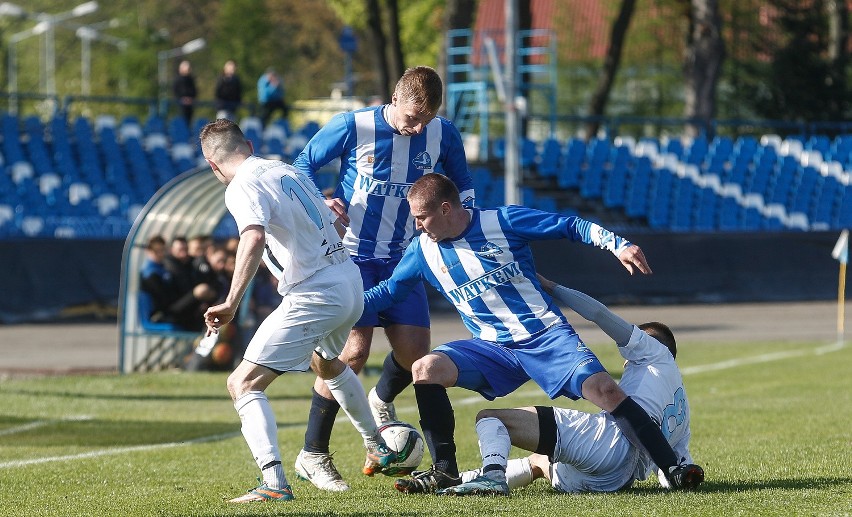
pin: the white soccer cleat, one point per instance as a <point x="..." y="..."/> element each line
<point x="383" y="412"/>
<point x="318" y="468"/>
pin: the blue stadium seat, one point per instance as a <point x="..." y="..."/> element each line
<point x="705" y="216"/>
<point x="614" y="186"/>
<point x="178" y="131"/>
<point x="551" y="158"/>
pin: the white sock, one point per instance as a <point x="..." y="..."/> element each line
<point x="349" y="393"/>
<point x="494" y="445"/>
<point x="273" y="476"/>
<point x="519" y="473"/>
<point x="260" y="432"/>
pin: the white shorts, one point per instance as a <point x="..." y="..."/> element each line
<point x="316" y="315"/>
<point x="591" y="453"/>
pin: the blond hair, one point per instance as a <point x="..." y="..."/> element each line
<point x="422" y="87"/>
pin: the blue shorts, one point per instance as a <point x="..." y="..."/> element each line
<point x="555" y="359"/>
<point x="414" y="310"/>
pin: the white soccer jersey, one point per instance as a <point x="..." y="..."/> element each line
<point x="300" y="234"/>
<point x="653" y="380"/>
<point x="378" y="167"/>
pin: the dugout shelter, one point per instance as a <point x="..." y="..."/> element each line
<point x="190" y="204"/>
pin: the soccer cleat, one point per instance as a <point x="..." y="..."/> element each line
<point x="264" y="493"/>
<point x="377" y="459"/>
<point x="318" y="468"/>
<point x="482" y="485"/>
<point x="383" y="412"/>
<point x="685" y="477"/>
<point x="426" y="482"/>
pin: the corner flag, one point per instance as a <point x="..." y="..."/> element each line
<point x="841" y="249"/>
<point x="841" y="253"/>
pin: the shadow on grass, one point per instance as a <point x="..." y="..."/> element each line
<point x="747" y="485"/>
<point x="119" y="433"/>
<point x="142" y="397"/>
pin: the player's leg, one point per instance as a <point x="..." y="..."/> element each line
<point x="347" y="390"/>
<point x="408" y="344"/>
<point x="314" y="461"/>
<point x="640" y="429"/>
<point x="474" y="364"/>
<point x="247" y="385"/>
<point x="407" y="329"/>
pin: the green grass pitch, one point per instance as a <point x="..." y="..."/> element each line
<point x="771" y="426"/>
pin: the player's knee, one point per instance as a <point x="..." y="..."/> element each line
<point x="434" y="369"/>
<point x="236" y="385"/>
<point x="486" y="413"/>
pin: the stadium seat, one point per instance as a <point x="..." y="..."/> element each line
<point x="551" y="158"/>
<point x="32" y="226"/>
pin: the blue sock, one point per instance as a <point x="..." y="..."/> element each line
<point x="394" y="379"/>
<point x="320" y="423"/>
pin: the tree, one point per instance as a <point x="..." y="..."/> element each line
<point x="610" y="67"/>
<point x="702" y="66"/>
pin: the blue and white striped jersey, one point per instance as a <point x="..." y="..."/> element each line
<point x="377" y="167"/>
<point x="488" y="273"/>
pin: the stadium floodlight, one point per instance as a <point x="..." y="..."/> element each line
<point x="87" y="34"/>
<point x="193" y="46"/>
<point x="13" y="10"/>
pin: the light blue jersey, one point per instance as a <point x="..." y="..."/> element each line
<point x="378" y="166"/>
<point x="488" y="273"/>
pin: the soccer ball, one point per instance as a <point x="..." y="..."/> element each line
<point x="407" y="443"/>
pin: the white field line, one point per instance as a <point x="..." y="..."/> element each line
<point x="41" y="423"/>
<point x="733" y="363"/>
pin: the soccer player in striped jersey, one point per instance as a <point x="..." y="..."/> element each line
<point x="480" y="260"/>
<point x="581" y="452"/>
<point x="382" y="151"/>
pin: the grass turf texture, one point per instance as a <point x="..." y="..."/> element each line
<point x="772" y="434"/>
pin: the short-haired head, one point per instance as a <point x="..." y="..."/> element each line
<point x="433" y="189"/>
<point x="221" y="139"/>
<point x="156" y="242"/>
<point x="662" y="333"/>
<point x="420" y="86"/>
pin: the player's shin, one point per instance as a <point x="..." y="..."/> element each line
<point x="349" y="393"/>
<point x="261" y="434"/>
<point x="438" y="424"/>
<point x="494" y="445"/>
<point x="637" y="426"/>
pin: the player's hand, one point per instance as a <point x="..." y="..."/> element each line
<point x="217" y="316"/>
<point x="336" y="205"/>
<point x="633" y="257"/>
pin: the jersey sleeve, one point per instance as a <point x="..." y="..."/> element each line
<point x="328" y="143"/>
<point x="642" y="348"/>
<point x="246" y="205"/>
<point x="456" y="167"/>
<point x="532" y="224"/>
<point x="406" y="275"/>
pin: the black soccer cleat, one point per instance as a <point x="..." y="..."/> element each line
<point x="685" y="477"/>
<point x="426" y="482"/>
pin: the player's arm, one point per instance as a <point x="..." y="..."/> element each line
<point x="249" y="255"/>
<point x="589" y="308"/>
<point x="456" y="167"/>
<point x="328" y="143"/>
<point x="406" y="275"/>
<point x="538" y="225"/>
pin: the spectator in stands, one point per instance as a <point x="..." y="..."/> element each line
<point x="229" y="92"/>
<point x="270" y="96"/>
<point x="192" y="296"/>
<point x="156" y="280"/>
<point x="185" y="91"/>
<point x="199" y="249"/>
